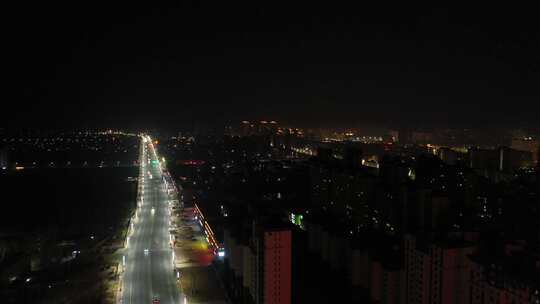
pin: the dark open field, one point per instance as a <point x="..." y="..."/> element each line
<point x="65" y="201"/>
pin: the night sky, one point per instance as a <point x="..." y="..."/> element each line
<point x="122" y="65"/>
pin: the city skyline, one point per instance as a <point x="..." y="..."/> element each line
<point x="270" y="153"/>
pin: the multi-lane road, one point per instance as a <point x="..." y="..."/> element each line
<point x="149" y="262"/>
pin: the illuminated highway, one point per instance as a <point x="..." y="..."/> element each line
<point x="148" y="271"/>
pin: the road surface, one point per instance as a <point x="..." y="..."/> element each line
<point x="151" y="274"/>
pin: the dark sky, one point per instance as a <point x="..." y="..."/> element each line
<point x="123" y="65"/>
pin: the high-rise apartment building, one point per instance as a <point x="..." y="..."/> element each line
<point x="437" y="272"/>
<point x="261" y="267"/>
<point x="510" y="278"/>
<point x="277" y="266"/>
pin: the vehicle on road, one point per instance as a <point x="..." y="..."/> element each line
<point x="146" y="251"/>
<point x="155" y="300"/>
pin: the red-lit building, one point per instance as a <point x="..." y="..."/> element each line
<point x="271" y="256"/>
<point x="509" y="278"/>
<point x="438" y="272"/>
<point x="277" y="266"/>
<point x="260" y="264"/>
